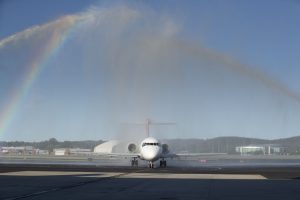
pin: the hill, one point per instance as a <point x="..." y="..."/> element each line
<point x="214" y="145"/>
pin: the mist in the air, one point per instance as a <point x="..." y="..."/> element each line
<point x="113" y="68"/>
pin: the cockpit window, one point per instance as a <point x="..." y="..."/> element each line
<point x="150" y="144"/>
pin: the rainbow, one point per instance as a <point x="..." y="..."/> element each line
<point x="60" y="30"/>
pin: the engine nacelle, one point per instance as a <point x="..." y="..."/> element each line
<point x="165" y="149"/>
<point x="132" y="148"/>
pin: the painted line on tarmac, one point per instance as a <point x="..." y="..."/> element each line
<point x="194" y="176"/>
<point x="101" y="178"/>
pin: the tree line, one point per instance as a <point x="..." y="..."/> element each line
<point x="53" y="143"/>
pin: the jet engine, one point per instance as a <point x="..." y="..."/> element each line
<point x="132" y="148"/>
<point x="165" y="149"/>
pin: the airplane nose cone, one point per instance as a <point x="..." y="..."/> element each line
<point x="150" y="154"/>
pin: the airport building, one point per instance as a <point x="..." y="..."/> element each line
<point x="265" y="149"/>
<point x="116" y="146"/>
<point x="107" y="147"/>
<point x="60" y="152"/>
<point x="71" y="151"/>
<point x="22" y="150"/>
<point x="42" y="152"/>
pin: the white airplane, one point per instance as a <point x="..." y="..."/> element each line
<point x="151" y="150"/>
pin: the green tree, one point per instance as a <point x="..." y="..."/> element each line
<point x="52" y="143"/>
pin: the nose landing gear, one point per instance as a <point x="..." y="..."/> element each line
<point x="151" y="164"/>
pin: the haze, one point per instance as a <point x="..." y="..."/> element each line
<point x="215" y="68"/>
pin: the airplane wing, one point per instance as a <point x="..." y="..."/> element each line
<point x="191" y="155"/>
<point x="118" y="155"/>
<point x="169" y="155"/>
<point x="200" y="154"/>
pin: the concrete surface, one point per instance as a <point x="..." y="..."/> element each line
<point x="65" y="182"/>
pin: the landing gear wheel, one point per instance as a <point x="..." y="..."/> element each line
<point x="151" y="165"/>
<point x="163" y="163"/>
<point x="134" y="163"/>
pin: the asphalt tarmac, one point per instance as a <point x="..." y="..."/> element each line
<point x="69" y="181"/>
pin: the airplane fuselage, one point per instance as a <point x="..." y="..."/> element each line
<point x="150" y="149"/>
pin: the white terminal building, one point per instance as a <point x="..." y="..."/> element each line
<point x="23" y="150"/>
<point x="116" y="146"/>
<point x="18" y="150"/>
<point x="264" y="149"/>
<point x="107" y="147"/>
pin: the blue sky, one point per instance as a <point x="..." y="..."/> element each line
<point x="108" y="73"/>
